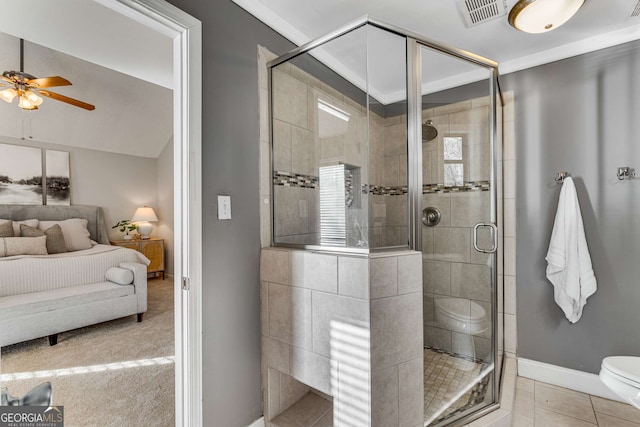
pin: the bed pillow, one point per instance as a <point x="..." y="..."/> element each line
<point x="75" y="232"/>
<point x="55" y="238"/>
<point x="121" y="276"/>
<point x="6" y="229"/>
<point x="16" y="225"/>
<point x="10" y="246"/>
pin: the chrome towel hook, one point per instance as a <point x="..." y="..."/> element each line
<point x="626" y="173"/>
<point x="560" y="176"/>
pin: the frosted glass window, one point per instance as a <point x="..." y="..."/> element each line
<point x="452" y="148"/>
<point x="453" y="174"/>
<point x="453" y="161"/>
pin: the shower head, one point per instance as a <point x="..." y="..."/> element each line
<point x="429" y="131"/>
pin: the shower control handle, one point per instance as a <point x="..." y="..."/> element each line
<point x="431" y="216"/>
<point x="494" y="233"/>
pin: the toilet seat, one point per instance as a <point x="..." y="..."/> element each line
<point x="623" y="368"/>
<point x="622" y="375"/>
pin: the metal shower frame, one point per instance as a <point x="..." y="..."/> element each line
<point x="414" y="43"/>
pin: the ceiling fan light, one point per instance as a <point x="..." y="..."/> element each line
<point x="8" y="94"/>
<point x="25" y="104"/>
<point x="540" y="16"/>
<point x="33" y="98"/>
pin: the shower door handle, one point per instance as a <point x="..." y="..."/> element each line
<point x="494" y="233"/>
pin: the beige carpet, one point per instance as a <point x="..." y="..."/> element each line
<point x="117" y="373"/>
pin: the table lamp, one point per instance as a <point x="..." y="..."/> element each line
<point x="143" y="216"/>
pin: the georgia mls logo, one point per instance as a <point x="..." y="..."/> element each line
<point x="31" y="416"/>
<point x="57" y="411"/>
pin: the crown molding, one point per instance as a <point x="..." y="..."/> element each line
<point x="570" y="50"/>
<point x="283" y="27"/>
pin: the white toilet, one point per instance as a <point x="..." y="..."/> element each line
<point x="464" y="316"/>
<point x="622" y="375"/>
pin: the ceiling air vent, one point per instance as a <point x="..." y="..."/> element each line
<point x="477" y="12"/>
<point x="636" y="10"/>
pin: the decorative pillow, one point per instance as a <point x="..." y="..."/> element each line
<point x="55" y="238"/>
<point x="16" y="225"/>
<point x="75" y="232"/>
<point x="26" y="231"/>
<point x="121" y="276"/>
<point x="6" y="229"/>
<point x="10" y="246"/>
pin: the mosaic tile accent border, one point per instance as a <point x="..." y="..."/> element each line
<point x="378" y="190"/>
<point x="348" y="187"/>
<point x="468" y="186"/>
<point x="290" y="179"/>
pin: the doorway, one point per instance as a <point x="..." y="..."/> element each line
<point x="185" y="31"/>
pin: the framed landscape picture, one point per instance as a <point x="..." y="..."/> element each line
<point x="20" y="175"/>
<point x="58" y="180"/>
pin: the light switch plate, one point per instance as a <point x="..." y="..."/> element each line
<point x="224" y="207"/>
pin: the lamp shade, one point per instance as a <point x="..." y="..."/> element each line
<point x="540" y="16"/>
<point x="144" y="214"/>
<point x="7" y="95"/>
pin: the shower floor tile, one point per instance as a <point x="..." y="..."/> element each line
<point x="451" y="384"/>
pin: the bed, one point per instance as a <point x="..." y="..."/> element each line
<point x="45" y="295"/>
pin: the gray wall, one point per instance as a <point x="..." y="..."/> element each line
<point x="579" y="115"/>
<point x="231" y="249"/>
<point x="119" y="183"/>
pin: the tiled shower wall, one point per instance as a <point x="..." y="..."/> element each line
<point x="302" y="144"/>
<point x="452" y="268"/>
<point x="388" y="216"/>
<point x="508" y="189"/>
<point x="380" y="212"/>
<point x="346" y="326"/>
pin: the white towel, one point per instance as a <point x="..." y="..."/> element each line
<point x="568" y="260"/>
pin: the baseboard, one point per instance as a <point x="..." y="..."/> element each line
<point x="257" y="423"/>
<point x="565" y="377"/>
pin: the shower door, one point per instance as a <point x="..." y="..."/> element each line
<point x="456" y="233"/>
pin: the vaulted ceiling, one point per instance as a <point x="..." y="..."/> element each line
<point x="121" y="67"/>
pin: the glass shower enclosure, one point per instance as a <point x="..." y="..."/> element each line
<point x="382" y="140"/>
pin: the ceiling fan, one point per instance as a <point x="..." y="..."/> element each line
<point x="28" y="88"/>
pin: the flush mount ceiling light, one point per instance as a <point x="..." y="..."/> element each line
<point x="540" y="16"/>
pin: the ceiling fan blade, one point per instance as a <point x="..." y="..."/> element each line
<point x="66" y="99"/>
<point x="49" y="82"/>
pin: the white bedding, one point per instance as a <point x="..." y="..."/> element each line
<point x="34" y="273"/>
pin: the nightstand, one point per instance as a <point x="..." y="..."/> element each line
<point x="152" y="248"/>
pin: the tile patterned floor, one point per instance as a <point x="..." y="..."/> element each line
<point x="446" y="377"/>
<point x="311" y="410"/>
<point x="539" y="404"/>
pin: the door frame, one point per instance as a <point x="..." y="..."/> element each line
<point x="186" y="32"/>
